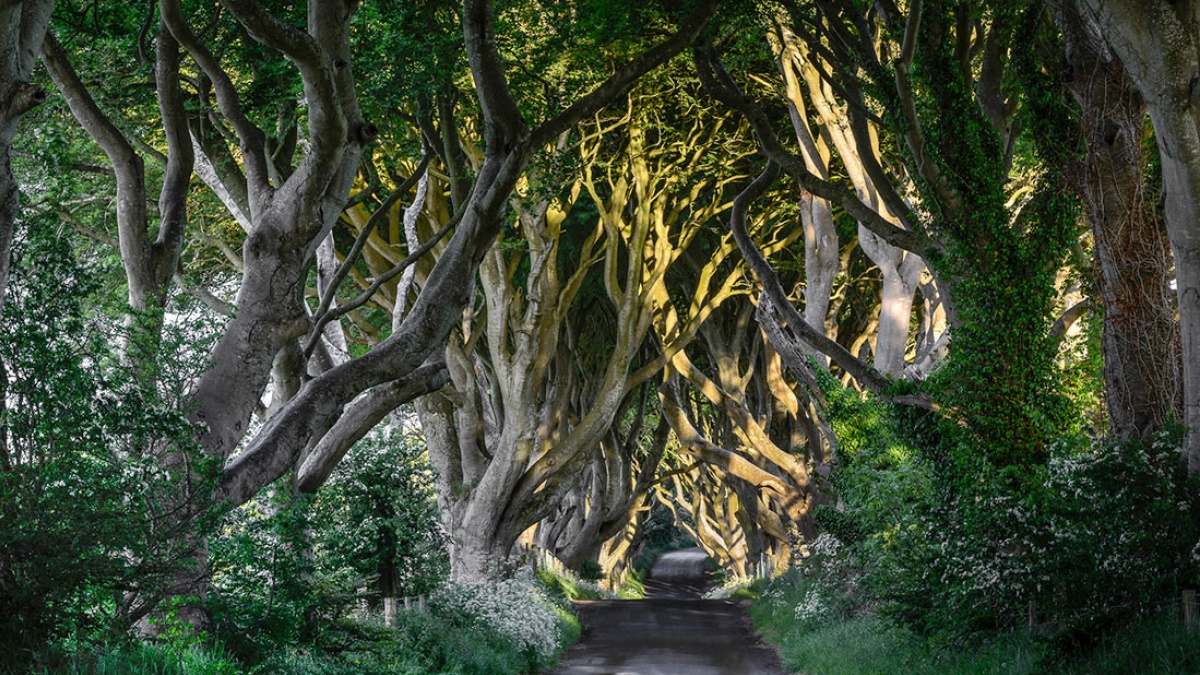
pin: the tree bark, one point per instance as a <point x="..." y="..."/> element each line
<point x="22" y="29"/>
<point x="1132" y="248"/>
<point x="1159" y="43"/>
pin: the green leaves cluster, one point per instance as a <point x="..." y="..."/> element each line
<point x="1102" y="533"/>
<point x="289" y="568"/>
<point x="378" y="517"/>
<point x="92" y="523"/>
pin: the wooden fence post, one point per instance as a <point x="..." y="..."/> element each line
<point x="421" y="603"/>
<point x="389" y="612"/>
<point x="1189" y="609"/>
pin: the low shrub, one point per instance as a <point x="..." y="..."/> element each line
<point x="508" y="628"/>
<point x="517" y="611"/>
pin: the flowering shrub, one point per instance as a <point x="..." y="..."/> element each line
<point x="1102" y="534"/>
<point x="517" y="610"/>
<point x="812" y="606"/>
<point x="951" y="548"/>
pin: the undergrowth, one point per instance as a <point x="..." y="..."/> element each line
<point x="816" y="635"/>
<point x="571" y="588"/>
<point x="509" y="628"/>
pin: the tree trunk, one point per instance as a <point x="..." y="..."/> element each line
<point x="900" y="272"/>
<point x="1132" y="250"/>
<point x="22" y="29"/>
<point x="479" y="547"/>
<point x="1159" y="44"/>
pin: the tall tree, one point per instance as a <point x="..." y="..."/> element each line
<point x="994" y="259"/>
<point x="537" y="381"/>
<point x="287" y="196"/>
<point x="151" y="263"/>
<point x="900" y="269"/>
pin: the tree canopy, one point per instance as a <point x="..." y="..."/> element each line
<point x="899" y="272"/>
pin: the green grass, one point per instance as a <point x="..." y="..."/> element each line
<point x="131" y="659"/>
<point x="633" y="586"/>
<point x="1156" y="646"/>
<point x="865" y="646"/>
<point x="420" y="645"/>
<point x="857" y="644"/>
<point x="571" y="588"/>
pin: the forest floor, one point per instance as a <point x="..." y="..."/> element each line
<point x="670" y="632"/>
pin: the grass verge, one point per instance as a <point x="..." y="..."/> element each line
<point x="819" y="640"/>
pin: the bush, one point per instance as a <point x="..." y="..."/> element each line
<point x="287" y="566"/>
<point x="289" y="569"/>
<point x="266" y="593"/>
<point x="506" y="629"/>
<point x="377" y="517"/>
<point x="516" y="610"/>
<point x="90" y="515"/>
<point x="1099" y="536"/>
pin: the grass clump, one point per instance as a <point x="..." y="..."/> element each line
<point x="571" y="588"/>
<point x="737" y="588"/>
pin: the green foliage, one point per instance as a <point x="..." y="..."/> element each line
<point x="868" y="646"/>
<point x="1105" y="534"/>
<point x="1120" y="526"/>
<point x="91" y="466"/>
<point x="1160" y="645"/>
<point x="407" y="51"/>
<point x="265" y="593"/>
<point x="570" y="587"/>
<point x="458" y="635"/>
<point x="377" y="517"/>
<point x="510" y="629"/>
<point x="287" y="566"/>
<point x="1101" y="534"/>
<point x="135" y="658"/>
<point x="561" y="49"/>
<point x="288" y="571"/>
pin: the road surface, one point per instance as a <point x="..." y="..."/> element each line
<point x="671" y="632"/>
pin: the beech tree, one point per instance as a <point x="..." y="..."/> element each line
<point x="997" y="281"/>
<point x="1131" y="250"/>
<point x="1158" y="45"/>
<point x="288" y="195"/>
<point x="718" y="511"/>
<point x="823" y="126"/>
<point x="529" y="409"/>
<point x="762" y="433"/>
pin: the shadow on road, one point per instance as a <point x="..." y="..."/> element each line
<point x="671" y="632"/>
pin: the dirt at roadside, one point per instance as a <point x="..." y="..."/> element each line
<point x="672" y="632"/>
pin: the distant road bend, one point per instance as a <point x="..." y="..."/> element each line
<point x="671" y="632"/>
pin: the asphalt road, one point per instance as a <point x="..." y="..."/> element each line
<point x="672" y="632"/>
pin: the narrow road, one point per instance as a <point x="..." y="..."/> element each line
<point x="671" y="632"/>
